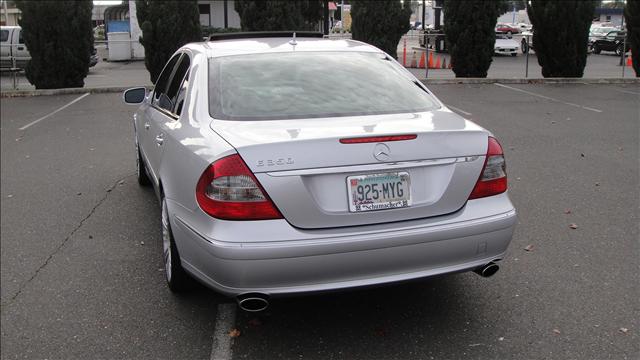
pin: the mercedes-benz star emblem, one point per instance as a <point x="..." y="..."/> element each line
<point x="381" y="152"/>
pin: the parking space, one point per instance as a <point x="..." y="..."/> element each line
<point x="81" y="252"/>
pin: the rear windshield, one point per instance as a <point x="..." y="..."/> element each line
<point x="311" y="84"/>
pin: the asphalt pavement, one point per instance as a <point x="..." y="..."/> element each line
<point x="82" y="276"/>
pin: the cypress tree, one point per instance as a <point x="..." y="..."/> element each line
<point x="59" y="37"/>
<point x="380" y="23"/>
<point x="561" y="35"/>
<point x="632" y="17"/>
<point x="166" y="26"/>
<point x="470" y="32"/>
<point x="278" y="15"/>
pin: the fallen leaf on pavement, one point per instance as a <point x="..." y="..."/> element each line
<point x="234" y="333"/>
<point x="556" y="331"/>
<point x="528" y="247"/>
<point x="567" y="211"/>
<point x="573" y="226"/>
<point x="623" y="330"/>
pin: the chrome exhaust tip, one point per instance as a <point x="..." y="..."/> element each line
<point x="253" y="302"/>
<point x="487" y="270"/>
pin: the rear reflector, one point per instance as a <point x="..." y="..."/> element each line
<point x="377" y="139"/>
<point x="228" y="190"/>
<point x="493" y="179"/>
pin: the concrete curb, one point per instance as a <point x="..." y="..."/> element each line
<point x="70" y="91"/>
<point x="116" y="89"/>
<point x="531" y="81"/>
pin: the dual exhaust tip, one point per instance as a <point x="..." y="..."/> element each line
<point x="256" y="302"/>
<point x="487" y="270"/>
<point x="253" y="302"/>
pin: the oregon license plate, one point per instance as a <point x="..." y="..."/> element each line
<point x="379" y="191"/>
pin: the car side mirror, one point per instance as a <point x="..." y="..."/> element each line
<point x="134" y="95"/>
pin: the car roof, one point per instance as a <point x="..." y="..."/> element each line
<point x="278" y="45"/>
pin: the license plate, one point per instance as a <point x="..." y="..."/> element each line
<point x="379" y="191"/>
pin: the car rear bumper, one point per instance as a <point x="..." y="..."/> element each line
<point x="330" y="259"/>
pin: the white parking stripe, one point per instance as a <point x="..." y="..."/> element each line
<point x="627" y="91"/>
<point x="225" y="321"/>
<point x="459" y="110"/>
<point x="548" y="98"/>
<point x="54" y="112"/>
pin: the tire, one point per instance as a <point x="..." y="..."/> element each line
<point x="524" y="46"/>
<point x="177" y="279"/>
<point x="509" y="33"/>
<point x="141" y="169"/>
<point x="596" y="49"/>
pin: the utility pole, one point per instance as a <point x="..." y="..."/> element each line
<point x="6" y="12"/>
<point x="325" y="15"/>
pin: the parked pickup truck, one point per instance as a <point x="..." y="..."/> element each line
<point x="12" y="48"/>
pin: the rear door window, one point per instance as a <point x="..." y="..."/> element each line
<point x="160" y="97"/>
<point x="176" y="81"/>
<point x="4" y="35"/>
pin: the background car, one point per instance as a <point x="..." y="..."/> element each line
<point x="505" y="45"/>
<point x="507" y="29"/>
<point x="613" y="41"/>
<point x="599" y="32"/>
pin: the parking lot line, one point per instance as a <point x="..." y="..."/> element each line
<point x="225" y="321"/>
<point x="54" y="112"/>
<point x="459" y="110"/>
<point x="627" y="91"/>
<point x="548" y="98"/>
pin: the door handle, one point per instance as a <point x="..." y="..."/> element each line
<point x="20" y="47"/>
<point x="146" y="126"/>
<point x="160" y="139"/>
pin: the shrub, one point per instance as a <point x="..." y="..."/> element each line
<point x="380" y="23"/>
<point x="279" y="15"/>
<point x="470" y="34"/>
<point x="166" y="26"/>
<point x="561" y="35"/>
<point x="632" y="16"/>
<point x="59" y="37"/>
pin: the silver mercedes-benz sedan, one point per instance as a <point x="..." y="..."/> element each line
<point x="292" y="164"/>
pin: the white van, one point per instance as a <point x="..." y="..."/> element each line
<point x="12" y="47"/>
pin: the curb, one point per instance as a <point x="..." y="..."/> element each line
<point x="69" y="91"/>
<point x="116" y="89"/>
<point x="531" y="81"/>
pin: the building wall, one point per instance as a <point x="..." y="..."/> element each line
<point x="11" y="17"/>
<point x="216" y="14"/>
<point x="615" y="19"/>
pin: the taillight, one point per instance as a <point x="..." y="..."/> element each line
<point x="493" y="179"/>
<point x="228" y="190"/>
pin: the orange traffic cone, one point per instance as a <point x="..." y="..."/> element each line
<point x="430" y="61"/>
<point x="438" y="65"/>
<point x="413" y="61"/>
<point x="629" y="60"/>
<point x="421" y="64"/>
<point x="444" y="63"/>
